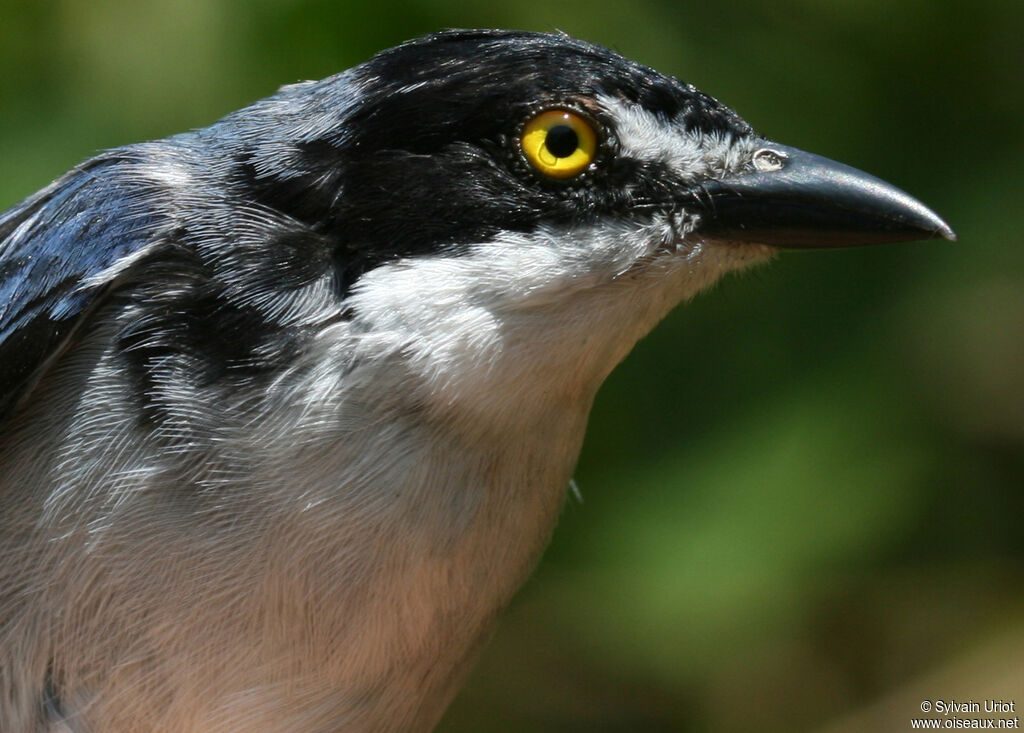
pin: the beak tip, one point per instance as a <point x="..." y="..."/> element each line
<point x="936" y="227"/>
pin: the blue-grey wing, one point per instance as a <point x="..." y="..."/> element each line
<point x="60" y="251"/>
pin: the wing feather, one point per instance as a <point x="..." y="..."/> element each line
<point x="60" y="251"/>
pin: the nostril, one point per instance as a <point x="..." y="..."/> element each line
<point x="766" y="160"/>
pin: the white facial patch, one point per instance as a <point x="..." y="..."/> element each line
<point x="692" y="154"/>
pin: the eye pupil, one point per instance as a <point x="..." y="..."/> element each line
<point x="562" y="141"/>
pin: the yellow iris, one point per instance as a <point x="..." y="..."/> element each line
<point x="559" y="143"/>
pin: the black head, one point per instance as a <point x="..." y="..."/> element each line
<point x="418" y="149"/>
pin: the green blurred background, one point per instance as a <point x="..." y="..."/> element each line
<point x="802" y="495"/>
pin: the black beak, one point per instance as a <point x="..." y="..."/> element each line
<point x="801" y="200"/>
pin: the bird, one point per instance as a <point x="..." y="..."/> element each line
<point x="291" y="403"/>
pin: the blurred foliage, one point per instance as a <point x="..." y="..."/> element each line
<point x="803" y="492"/>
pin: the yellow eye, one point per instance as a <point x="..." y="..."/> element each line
<point x="559" y="143"/>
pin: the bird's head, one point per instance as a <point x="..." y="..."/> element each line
<point x="495" y="143"/>
<point x="471" y="176"/>
<point x="482" y="188"/>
